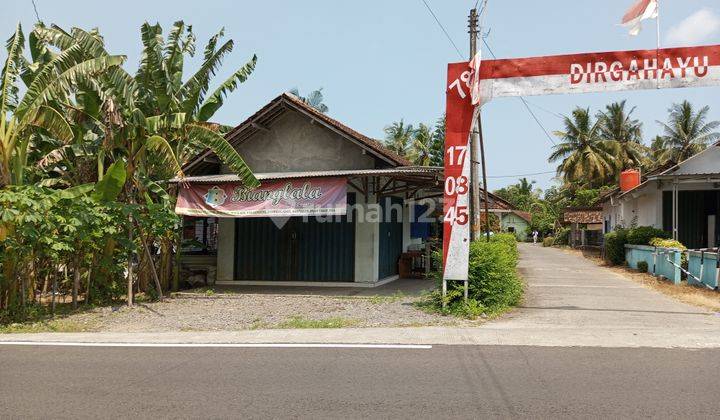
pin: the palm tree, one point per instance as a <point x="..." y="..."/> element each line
<point x="586" y="158"/>
<point x="398" y="137"/>
<point x="624" y="133"/>
<point x="656" y="149"/>
<point x="421" y="147"/>
<point x="686" y="133"/>
<point x="437" y="150"/>
<point x="525" y="186"/>
<point x="314" y="99"/>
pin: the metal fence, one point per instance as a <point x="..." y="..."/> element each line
<point x="703" y="266"/>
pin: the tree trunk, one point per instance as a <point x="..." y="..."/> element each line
<point x="148" y="254"/>
<point x="178" y="258"/>
<point x="76" y="283"/>
<point x="54" y="292"/>
<point x="89" y="273"/>
<point x="130" y="266"/>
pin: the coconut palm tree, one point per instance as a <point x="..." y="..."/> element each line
<point x="421" y="147"/>
<point x="437" y="151"/>
<point x="398" y="137"/>
<point x="624" y="133"/>
<point x="585" y="157"/>
<point x="686" y="133"/>
<point x="315" y="99"/>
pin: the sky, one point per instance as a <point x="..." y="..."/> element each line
<point x="382" y="61"/>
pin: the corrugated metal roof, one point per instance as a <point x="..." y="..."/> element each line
<point x="427" y="171"/>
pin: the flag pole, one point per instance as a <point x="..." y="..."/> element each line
<point x="658" y="25"/>
<point x="657" y="53"/>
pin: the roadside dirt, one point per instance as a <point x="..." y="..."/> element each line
<point x="259" y="311"/>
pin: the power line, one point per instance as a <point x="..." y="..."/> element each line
<point x="553" y="113"/>
<point x="37" y="15"/>
<point x="522" y="175"/>
<point x="537" y="121"/>
<point x="443" y="29"/>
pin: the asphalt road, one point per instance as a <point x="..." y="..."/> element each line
<point x="443" y="382"/>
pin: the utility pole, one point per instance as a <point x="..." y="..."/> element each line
<point x="474" y="144"/>
<point x="477" y="153"/>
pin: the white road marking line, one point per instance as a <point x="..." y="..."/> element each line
<point x="575" y="286"/>
<point x="220" y="345"/>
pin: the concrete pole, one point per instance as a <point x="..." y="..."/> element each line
<point x="474" y="144"/>
<point x="477" y="153"/>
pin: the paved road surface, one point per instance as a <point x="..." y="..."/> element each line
<point x="567" y="291"/>
<point x="443" y="382"/>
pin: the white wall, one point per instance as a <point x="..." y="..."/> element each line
<point x="367" y="244"/>
<point x="226" y="250"/>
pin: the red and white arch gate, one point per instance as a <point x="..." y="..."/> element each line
<point x="562" y="74"/>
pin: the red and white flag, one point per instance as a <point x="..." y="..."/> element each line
<point x="642" y="10"/>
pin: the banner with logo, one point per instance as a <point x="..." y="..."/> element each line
<point x="286" y="198"/>
<point x="601" y="72"/>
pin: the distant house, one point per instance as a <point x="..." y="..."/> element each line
<point x="586" y="225"/>
<point x="516" y="222"/>
<point x="683" y="199"/>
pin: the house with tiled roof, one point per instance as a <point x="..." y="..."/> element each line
<point x="516" y="222"/>
<point x="334" y="206"/>
<point x="682" y="199"/>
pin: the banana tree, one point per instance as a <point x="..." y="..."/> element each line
<point x="155" y="120"/>
<point x="21" y="119"/>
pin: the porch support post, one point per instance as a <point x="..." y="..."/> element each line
<point x="675" y="209"/>
<point x="225" y="270"/>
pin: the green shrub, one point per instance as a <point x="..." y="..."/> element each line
<point x="562" y="236"/>
<point x="548" y="241"/>
<point x="642" y="235"/>
<point x="615" y="246"/>
<point x="494" y="284"/>
<point x="667" y="243"/>
<point x="643" y="266"/>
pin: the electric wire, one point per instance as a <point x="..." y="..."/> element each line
<point x="522" y="175"/>
<point x="537" y="120"/>
<point x="37" y="15"/>
<point x="447" y="35"/>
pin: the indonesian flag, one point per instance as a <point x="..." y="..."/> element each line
<point x="642" y="10"/>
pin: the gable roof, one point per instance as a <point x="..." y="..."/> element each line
<point x="675" y="168"/>
<point x="525" y="215"/>
<point x="277" y="107"/>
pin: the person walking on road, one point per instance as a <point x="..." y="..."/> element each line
<point x="535" y="236"/>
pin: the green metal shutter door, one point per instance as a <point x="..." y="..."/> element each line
<point x="261" y="253"/>
<point x="303" y="250"/>
<point x="391" y="232"/>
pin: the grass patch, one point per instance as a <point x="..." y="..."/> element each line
<point x="299" y="322"/>
<point x="54" y="325"/>
<point x="380" y="300"/>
